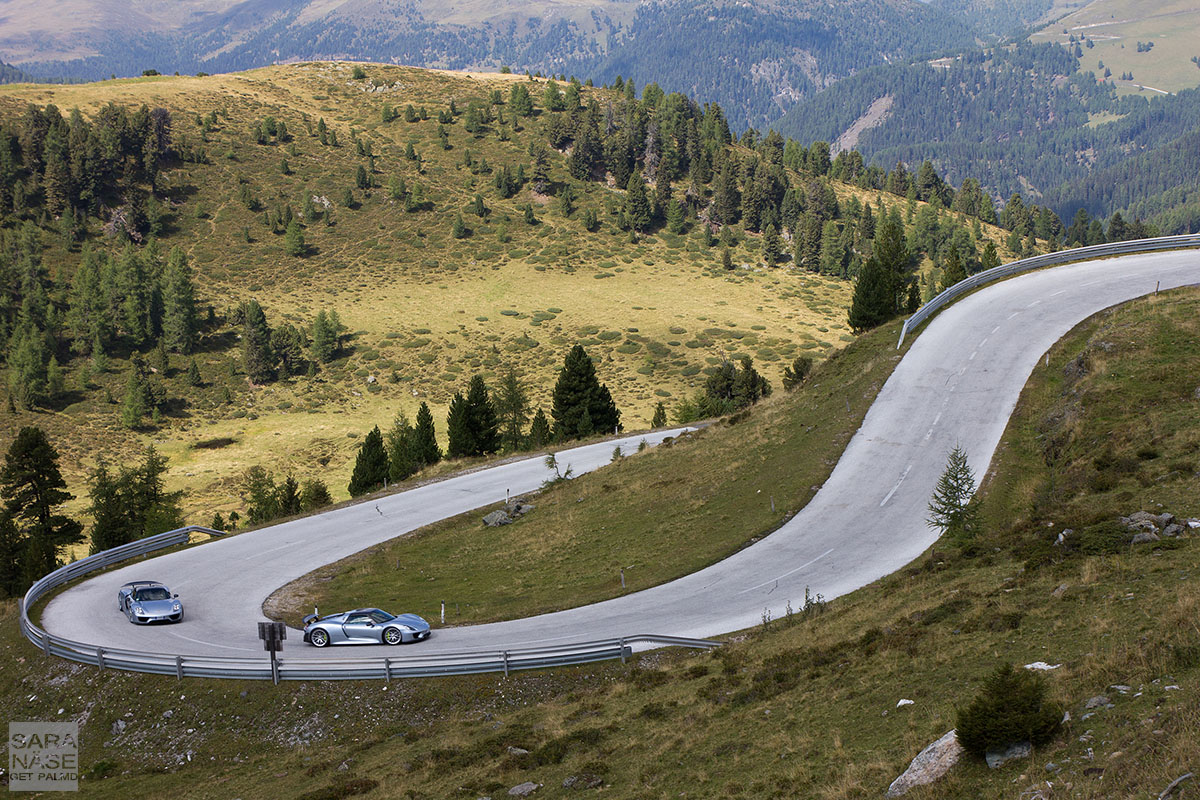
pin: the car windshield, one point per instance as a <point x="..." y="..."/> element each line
<point x="379" y="616"/>
<point x="153" y="593"/>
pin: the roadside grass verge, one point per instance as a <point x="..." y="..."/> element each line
<point x="806" y="707"/>
<point x="657" y="515"/>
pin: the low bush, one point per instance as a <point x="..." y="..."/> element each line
<point x="1011" y="708"/>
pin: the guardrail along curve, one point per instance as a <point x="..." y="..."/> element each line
<point x="1046" y="260"/>
<point x="385" y="668"/>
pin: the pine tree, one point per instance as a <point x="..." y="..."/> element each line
<point x="401" y="444"/>
<point x="726" y="259"/>
<point x="370" y="466"/>
<point x="180" y="324"/>
<point x="426" y="447"/>
<point x="577" y="392"/>
<point x="257" y="356"/>
<point x="874" y="301"/>
<point x="324" y="339"/>
<point x="539" y="431"/>
<point x="293" y="242"/>
<point x="194" y="377"/>
<point x="660" y="416"/>
<point x="637" y="204"/>
<point x="133" y="403"/>
<point x="675" y="217"/>
<point x="953" y="271"/>
<point x="314" y="494"/>
<point x="289" y="497"/>
<point x="484" y="422"/>
<point x="261" y="495"/>
<point x="460" y="437"/>
<point x="771" y="250"/>
<point x="459" y="229"/>
<point x="795" y="374"/>
<point x="33" y="489"/>
<point x="952" y="509"/>
<point x="512" y="407"/>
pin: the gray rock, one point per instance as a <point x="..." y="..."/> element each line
<point x="496" y="518"/>
<point x="1143" y="527"/>
<point x="998" y="758"/>
<point x="1142" y="516"/>
<point x="1193" y="524"/>
<point x="1144" y="538"/>
<point x="1097" y="702"/>
<point x="1173" y="530"/>
<point x="517" y="751"/>
<point x="118" y="727"/>
<point x="1165" y="519"/>
<point x="372" y="379"/>
<point x="930" y="764"/>
<point x="1060" y="590"/>
<point x="524" y="789"/>
<point x="584" y="780"/>
<point x="168" y="714"/>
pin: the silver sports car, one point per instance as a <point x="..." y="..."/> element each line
<point x="364" y="626"/>
<point x="144" y="602"/>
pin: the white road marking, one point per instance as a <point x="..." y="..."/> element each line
<point x="981" y="344"/>
<point x="272" y="550"/>
<point x="972" y="356"/>
<point x="212" y="644"/>
<point x="1061" y="291"/>
<point x="997" y="327"/>
<point x="1013" y="314"/>
<point x="1034" y="303"/>
<point x="789" y="572"/>
<point x="904" y="475"/>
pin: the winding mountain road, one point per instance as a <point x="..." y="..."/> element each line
<point x="958" y="384"/>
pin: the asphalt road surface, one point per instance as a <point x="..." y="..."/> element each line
<point x="958" y="384"/>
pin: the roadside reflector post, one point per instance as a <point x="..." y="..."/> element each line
<point x="622" y="577"/>
<point x="443" y="612"/>
<point x="272" y="635"/>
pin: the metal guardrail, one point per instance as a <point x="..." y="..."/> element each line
<point x="1037" y="262"/>
<point x="300" y="669"/>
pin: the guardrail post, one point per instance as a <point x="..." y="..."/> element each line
<point x="46" y="642"/>
<point x="179" y="667"/>
<point x="274" y="671"/>
<point x="622" y="649"/>
<point x="387" y="670"/>
<point x="506" y="663"/>
<point x="100" y="658"/>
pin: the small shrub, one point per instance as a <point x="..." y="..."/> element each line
<point x="1103" y="538"/>
<point x="1011" y="708"/>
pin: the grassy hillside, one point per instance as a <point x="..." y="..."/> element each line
<point x="804" y="708"/>
<point x="425" y="310"/>
<point x="1116" y="28"/>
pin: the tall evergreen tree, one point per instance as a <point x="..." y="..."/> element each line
<point x="33" y="489"/>
<point x="257" y="356"/>
<point x="370" y="466"/>
<point x="539" y="431"/>
<point x="952" y="509"/>
<point x="324" y="339"/>
<point x="401" y="448"/>
<point x="460" y="435"/>
<point x="426" y="448"/>
<point x="314" y="494"/>
<point x="580" y="398"/>
<point x="874" y="300"/>
<point x="261" y="494"/>
<point x="512" y="407"/>
<point x="771" y="249"/>
<point x="637" y="204"/>
<point x="660" y="416"/>
<point x="481" y="413"/>
<point x="180" y="325"/>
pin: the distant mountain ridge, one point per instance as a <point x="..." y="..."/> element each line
<point x="754" y="58"/>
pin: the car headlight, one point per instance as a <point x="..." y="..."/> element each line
<point x="176" y="607"/>
<point x="138" y="610"/>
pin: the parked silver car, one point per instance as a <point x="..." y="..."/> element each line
<point x="364" y="626"/>
<point x="144" y="602"/>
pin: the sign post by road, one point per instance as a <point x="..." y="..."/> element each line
<point x="272" y="635"/>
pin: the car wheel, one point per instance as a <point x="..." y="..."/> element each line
<point x="319" y="638"/>
<point x="393" y="636"/>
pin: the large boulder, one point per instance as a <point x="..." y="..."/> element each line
<point x="497" y="518"/>
<point x="930" y="764"/>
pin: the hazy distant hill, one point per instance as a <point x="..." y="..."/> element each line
<point x="754" y="58"/>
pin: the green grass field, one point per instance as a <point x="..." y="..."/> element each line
<point x="804" y="708"/>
